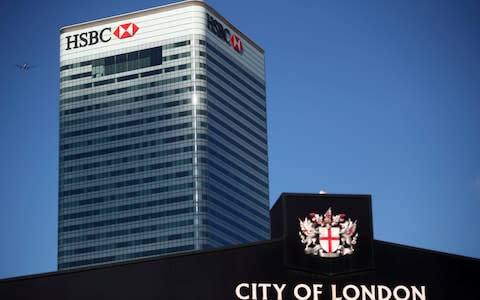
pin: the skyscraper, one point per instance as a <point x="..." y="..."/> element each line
<point x="163" y="136"/>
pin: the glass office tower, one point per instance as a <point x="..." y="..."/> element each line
<point x="163" y="136"/>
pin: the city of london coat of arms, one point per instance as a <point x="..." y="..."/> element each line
<point x="328" y="235"/>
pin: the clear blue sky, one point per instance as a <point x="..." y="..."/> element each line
<point x="375" y="97"/>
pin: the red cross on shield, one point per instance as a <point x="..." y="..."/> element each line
<point x="329" y="238"/>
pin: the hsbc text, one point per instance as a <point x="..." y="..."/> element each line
<point x="88" y="38"/>
<point x="217" y="28"/>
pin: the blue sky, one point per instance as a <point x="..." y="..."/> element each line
<point x="371" y="97"/>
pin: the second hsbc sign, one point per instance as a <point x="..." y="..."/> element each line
<point x="223" y="33"/>
<point x="96" y="36"/>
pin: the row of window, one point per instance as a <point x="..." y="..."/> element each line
<point x="234" y="98"/>
<point x="236" y="77"/>
<point x="128" y="195"/>
<point x="237" y="191"/>
<point x="126" y="207"/>
<point x="76" y="76"/>
<point x="96" y="83"/>
<point x="127" y="62"/>
<point x="216" y="241"/>
<point x="122" y="184"/>
<point x="124" y="136"/>
<point x="260" y="104"/>
<point x="215" y="155"/>
<point x="129" y="171"/>
<point x="232" y="223"/>
<point x="265" y="230"/>
<point x="201" y="76"/>
<point x="238" y="156"/>
<point x="232" y="141"/>
<point x="127" y="159"/>
<point x="133" y="243"/>
<point x="128" y="100"/>
<point x="227" y="174"/>
<point x="232" y="234"/>
<point x="122" y="148"/>
<point x="233" y="64"/>
<point x="124" y="232"/>
<point x="227" y="197"/>
<point x="129" y="219"/>
<point x="84" y="86"/>
<point x="260" y="147"/>
<point x="129" y="123"/>
<point x="100" y="117"/>
<point x="124" y="256"/>
<point x="126" y="89"/>
<point x="91" y="62"/>
<point x="212" y="95"/>
<point x="124" y="78"/>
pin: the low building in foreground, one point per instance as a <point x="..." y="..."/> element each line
<point x="322" y="247"/>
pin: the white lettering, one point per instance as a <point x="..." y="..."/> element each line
<point x="302" y="291"/>
<point x="381" y="295"/>
<point x="355" y="290"/>
<point x="238" y="291"/>
<point x="421" y="295"/>
<point x="405" y="290"/>
<point x="254" y="291"/>
<point x="333" y="288"/>
<point x="279" y="290"/>
<point x="317" y="290"/>
<point x="264" y="287"/>
<point x="308" y="291"/>
<point x="368" y="292"/>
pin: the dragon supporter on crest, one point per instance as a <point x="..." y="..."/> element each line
<point x="328" y="235"/>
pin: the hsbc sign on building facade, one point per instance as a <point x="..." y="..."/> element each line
<point x="104" y="35"/>
<point x="127" y="30"/>
<point x="223" y="33"/>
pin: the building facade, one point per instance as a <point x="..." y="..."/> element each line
<point x="163" y="136"/>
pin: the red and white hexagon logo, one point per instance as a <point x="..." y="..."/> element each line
<point x="125" y="30"/>
<point x="236" y="43"/>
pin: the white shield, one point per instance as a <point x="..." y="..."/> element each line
<point x="329" y="238"/>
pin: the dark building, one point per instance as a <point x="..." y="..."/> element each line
<point x="340" y="261"/>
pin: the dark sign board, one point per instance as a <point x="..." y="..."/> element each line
<point x="327" y="234"/>
<point x="316" y="253"/>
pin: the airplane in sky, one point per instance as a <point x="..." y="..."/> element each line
<point x="24" y="66"/>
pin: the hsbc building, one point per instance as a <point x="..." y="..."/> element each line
<point x="163" y="140"/>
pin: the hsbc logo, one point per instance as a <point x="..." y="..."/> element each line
<point x="126" y="30"/>
<point x="217" y="28"/>
<point x="93" y="37"/>
<point x="236" y="43"/>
